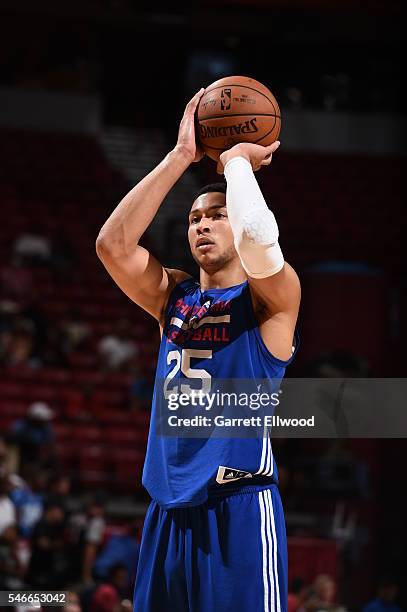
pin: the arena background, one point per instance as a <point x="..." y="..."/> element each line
<point x="91" y="93"/>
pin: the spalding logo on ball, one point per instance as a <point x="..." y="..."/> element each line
<point x="236" y="109"/>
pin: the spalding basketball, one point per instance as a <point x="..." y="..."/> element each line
<point x="236" y="109"/>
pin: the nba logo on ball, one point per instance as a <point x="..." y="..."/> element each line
<point x="255" y="116"/>
<point x="225" y="99"/>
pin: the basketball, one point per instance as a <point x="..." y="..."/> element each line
<point x="237" y="109"/>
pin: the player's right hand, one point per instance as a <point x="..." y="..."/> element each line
<point x="186" y="133"/>
<point x="257" y="155"/>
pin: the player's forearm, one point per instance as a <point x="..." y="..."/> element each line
<point x="122" y="231"/>
<point x="253" y="224"/>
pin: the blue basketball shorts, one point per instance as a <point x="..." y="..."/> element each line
<point x="226" y="555"/>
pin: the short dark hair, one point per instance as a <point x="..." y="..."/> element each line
<point x="211" y="188"/>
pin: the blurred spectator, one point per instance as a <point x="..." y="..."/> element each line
<point x="50" y="559"/>
<point x="24" y="331"/>
<point x="60" y="487"/>
<point x="7" y="509"/>
<point x="34" y="437"/>
<point x="93" y="536"/>
<point x="32" y="247"/>
<point x="73" y="603"/>
<point x="4" y="458"/>
<point x="126" y="605"/>
<point x="108" y="595"/>
<point x="58" y="491"/>
<point x="344" y="527"/>
<point x="74" y="331"/>
<point x="119" y="548"/>
<point x="294" y="98"/>
<point x="116" y="350"/>
<point x="78" y="401"/>
<point x="16" y="279"/>
<point x="11" y="568"/>
<point x="297" y="594"/>
<point x="322" y="596"/>
<point x="20" y="349"/>
<point x="28" y="498"/>
<point x="87" y="531"/>
<point x="386" y="595"/>
<point x="8" y="310"/>
<point x="6" y="462"/>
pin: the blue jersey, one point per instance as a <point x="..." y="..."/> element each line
<point x="215" y="333"/>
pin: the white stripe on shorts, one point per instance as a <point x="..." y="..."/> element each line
<point x="269" y="503"/>
<point x="264" y="549"/>
<point x="269" y="549"/>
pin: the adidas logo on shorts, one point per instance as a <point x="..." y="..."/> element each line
<point x="226" y="474"/>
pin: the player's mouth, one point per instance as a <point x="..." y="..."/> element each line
<point x="204" y="244"/>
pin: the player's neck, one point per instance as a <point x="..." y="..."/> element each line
<point x="221" y="278"/>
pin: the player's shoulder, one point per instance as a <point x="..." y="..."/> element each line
<point x="176" y="276"/>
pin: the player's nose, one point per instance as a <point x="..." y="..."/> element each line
<point x="203" y="226"/>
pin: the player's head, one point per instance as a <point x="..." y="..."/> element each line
<point x="208" y="223"/>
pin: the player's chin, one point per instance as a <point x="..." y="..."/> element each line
<point x="205" y="256"/>
<point x="206" y="251"/>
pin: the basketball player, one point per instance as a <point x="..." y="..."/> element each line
<point x="214" y="534"/>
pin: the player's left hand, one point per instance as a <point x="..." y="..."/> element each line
<point x="187" y="141"/>
<point x="257" y="155"/>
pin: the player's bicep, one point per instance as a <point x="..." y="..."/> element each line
<point x="279" y="293"/>
<point x="143" y="279"/>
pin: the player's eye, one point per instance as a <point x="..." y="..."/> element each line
<point x="219" y="215"/>
<point x="194" y="219"/>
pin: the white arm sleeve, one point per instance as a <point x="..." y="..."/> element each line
<point x="253" y="225"/>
